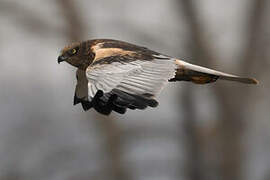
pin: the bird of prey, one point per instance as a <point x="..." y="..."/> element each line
<point x="114" y="75"/>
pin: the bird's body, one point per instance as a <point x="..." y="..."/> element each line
<point x="134" y="75"/>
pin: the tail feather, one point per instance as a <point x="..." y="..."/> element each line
<point x="240" y="79"/>
<point x="202" y="75"/>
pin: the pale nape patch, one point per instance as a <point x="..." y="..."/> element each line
<point x="101" y="53"/>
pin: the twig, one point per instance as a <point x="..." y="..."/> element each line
<point x="108" y="126"/>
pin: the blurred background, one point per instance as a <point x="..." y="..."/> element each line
<point x="212" y="132"/>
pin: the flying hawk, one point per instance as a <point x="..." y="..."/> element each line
<point x="116" y="75"/>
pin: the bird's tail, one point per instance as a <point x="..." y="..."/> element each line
<point x="202" y="75"/>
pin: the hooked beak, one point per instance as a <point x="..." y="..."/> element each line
<point x="61" y="59"/>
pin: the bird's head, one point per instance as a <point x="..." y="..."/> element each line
<point x="77" y="54"/>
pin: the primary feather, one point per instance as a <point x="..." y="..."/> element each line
<point x="138" y="77"/>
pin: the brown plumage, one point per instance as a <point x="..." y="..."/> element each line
<point x="134" y="73"/>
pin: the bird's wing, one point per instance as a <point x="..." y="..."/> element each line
<point x="81" y="90"/>
<point x="129" y="77"/>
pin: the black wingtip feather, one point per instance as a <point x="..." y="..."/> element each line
<point x="134" y="101"/>
<point x="86" y="105"/>
<point x="120" y="110"/>
<point x="125" y="99"/>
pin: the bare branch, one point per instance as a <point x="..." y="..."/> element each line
<point x="74" y="24"/>
<point x="108" y="126"/>
<point x="254" y="32"/>
<point x="231" y="121"/>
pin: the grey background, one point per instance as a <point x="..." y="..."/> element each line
<point x="215" y="131"/>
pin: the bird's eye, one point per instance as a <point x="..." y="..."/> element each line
<point x="72" y="51"/>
